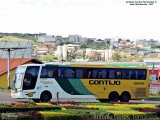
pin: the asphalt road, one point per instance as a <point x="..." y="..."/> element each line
<point x="5" y="97"/>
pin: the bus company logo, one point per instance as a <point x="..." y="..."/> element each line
<point x="104" y="82"/>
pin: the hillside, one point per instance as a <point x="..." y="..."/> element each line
<point x="13" y="39"/>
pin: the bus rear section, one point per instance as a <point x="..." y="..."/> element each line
<point x="120" y="83"/>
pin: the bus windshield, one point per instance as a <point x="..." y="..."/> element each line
<point x="18" y="77"/>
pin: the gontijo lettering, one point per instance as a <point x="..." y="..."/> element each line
<point x="104" y="82"/>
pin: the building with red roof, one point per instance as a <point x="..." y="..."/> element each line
<point x="13" y="65"/>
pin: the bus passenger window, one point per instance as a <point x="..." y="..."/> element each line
<point x="132" y="74"/>
<point x="44" y="73"/>
<point x="69" y="73"/>
<point x="125" y="75"/>
<point x="94" y="73"/>
<point x="89" y="74"/>
<point x="60" y="73"/>
<point x="104" y="74"/>
<point x="117" y="74"/>
<point x="99" y="74"/>
<point x="50" y="74"/>
<point x="79" y="73"/>
<point x="111" y="74"/>
<point x="142" y="74"/>
<point x="73" y="73"/>
<point x="136" y="74"/>
<point x="54" y="73"/>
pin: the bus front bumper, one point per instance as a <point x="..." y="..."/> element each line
<point x="18" y="95"/>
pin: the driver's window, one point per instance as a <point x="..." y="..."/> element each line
<point x="30" y="77"/>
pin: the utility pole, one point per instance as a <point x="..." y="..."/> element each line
<point x="9" y="66"/>
<point x="62" y="55"/>
<point x="9" y="57"/>
<point x="109" y="52"/>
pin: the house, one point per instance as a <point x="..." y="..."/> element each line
<point x="14" y="63"/>
<point x="102" y="55"/>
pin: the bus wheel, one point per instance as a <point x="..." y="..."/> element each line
<point x="103" y="100"/>
<point x="45" y="96"/>
<point x="125" y="97"/>
<point x="113" y="96"/>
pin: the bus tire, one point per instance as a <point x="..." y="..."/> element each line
<point x="45" y="96"/>
<point x="125" y="96"/>
<point x="113" y="96"/>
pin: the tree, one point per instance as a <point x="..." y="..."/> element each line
<point x="49" y="58"/>
<point x="83" y="45"/>
<point x="116" y="57"/>
<point x="71" y="54"/>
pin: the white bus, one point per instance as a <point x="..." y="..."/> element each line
<point x="43" y="82"/>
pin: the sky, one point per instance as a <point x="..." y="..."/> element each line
<point x="88" y="18"/>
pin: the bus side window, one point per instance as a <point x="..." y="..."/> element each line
<point x="73" y="73"/>
<point x="111" y="74"/>
<point x="136" y="74"/>
<point x="142" y="74"/>
<point x="125" y="74"/>
<point x="43" y="73"/>
<point x="54" y="73"/>
<point x="61" y="73"/>
<point x="79" y="73"/>
<point x="94" y="73"/>
<point x="48" y="72"/>
<point x="118" y="74"/>
<point x="69" y="72"/>
<point x="89" y="74"/>
<point x="130" y="75"/>
<point x="99" y="74"/>
<point x="102" y="73"/>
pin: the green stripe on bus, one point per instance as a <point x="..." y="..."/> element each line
<point x="80" y="87"/>
<point x="66" y="86"/>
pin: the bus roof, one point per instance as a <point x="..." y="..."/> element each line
<point x="117" y="65"/>
<point x="127" y="64"/>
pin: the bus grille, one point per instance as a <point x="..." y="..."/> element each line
<point x="140" y="92"/>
